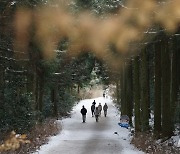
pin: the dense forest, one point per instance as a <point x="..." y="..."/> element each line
<point x="35" y="86"/>
<point x="152" y="79"/>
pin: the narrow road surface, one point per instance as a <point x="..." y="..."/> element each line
<point x="103" y="137"/>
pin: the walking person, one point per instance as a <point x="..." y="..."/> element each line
<point x="92" y="109"/>
<point x="104" y="94"/>
<point x="96" y="113"/>
<point x="83" y="112"/>
<point x="105" y="107"/>
<point x="100" y="108"/>
<point x="94" y="102"/>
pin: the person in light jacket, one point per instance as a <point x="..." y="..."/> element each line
<point x="96" y="113"/>
<point x="100" y="108"/>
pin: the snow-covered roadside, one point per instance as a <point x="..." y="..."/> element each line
<point x="105" y="137"/>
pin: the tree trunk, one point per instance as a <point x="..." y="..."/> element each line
<point x="41" y="92"/>
<point x="174" y="81"/>
<point x="123" y="91"/>
<point x="166" y="107"/>
<point x="136" y="90"/>
<point x="54" y="101"/>
<point x="118" y="91"/>
<point x="78" y="88"/>
<point x="144" y="91"/>
<point x="1" y="87"/>
<point x="31" y="84"/>
<point x="129" y="92"/>
<point x="157" y="103"/>
<point x="148" y="83"/>
<point x="37" y="92"/>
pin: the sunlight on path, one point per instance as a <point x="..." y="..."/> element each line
<point x="104" y="137"/>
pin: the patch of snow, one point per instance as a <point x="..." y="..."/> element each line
<point x="14" y="2"/>
<point x="176" y="140"/>
<point x="178" y="145"/>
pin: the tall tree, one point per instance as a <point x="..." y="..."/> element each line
<point x="118" y="91"/>
<point x="2" y="85"/>
<point x="123" y="89"/>
<point x="144" y="91"/>
<point x="129" y="91"/>
<point x="174" y="79"/>
<point x="54" y="100"/>
<point x="157" y="103"/>
<point x="136" y="90"/>
<point x="166" y="107"/>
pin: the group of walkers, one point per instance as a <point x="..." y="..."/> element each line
<point x="95" y="110"/>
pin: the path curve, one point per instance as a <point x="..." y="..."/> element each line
<point x="104" y="137"/>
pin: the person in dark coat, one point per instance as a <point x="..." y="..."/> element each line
<point x="104" y="94"/>
<point x="94" y="102"/>
<point x="92" y="109"/>
<point x="83" y="112"/>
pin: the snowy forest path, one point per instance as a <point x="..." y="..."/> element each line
<point x="103" y="137"/>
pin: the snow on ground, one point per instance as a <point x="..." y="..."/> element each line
<point x="103" y="137"/>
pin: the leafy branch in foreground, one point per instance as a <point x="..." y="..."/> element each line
<point x="14" y="141"/>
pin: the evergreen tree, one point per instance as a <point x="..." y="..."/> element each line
<point x="123" y="90"/>
<point x="166" y="107"/>
<point x="174" y="80"/>
<point x="129" y="91"/>
<point x="136" y="90"/>
<point x="157" y="103"/>
<point x="144" y="91"/>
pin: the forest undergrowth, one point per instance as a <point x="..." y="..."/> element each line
<point x="148" y="144"/>
<point x="38" y="136"/>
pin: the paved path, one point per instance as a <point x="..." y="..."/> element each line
<point x="103" y="137"/>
